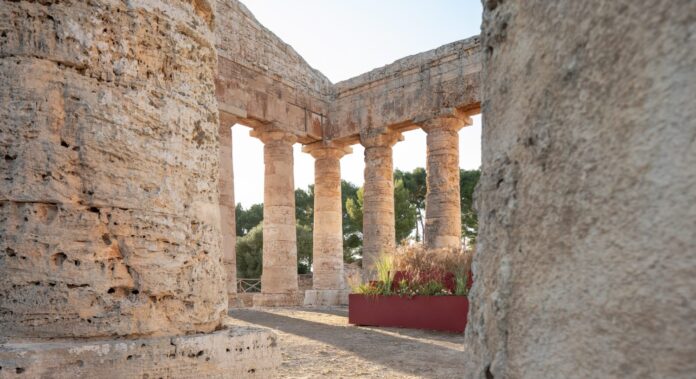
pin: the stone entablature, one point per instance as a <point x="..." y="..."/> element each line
<point x="439" y="82"/>
<point x="262" y="80"/>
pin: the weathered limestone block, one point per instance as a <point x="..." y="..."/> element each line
<point x="279" y="275"/>
<point x="109" y="217"/>
<point x="443" y="221"/>
<point x="227" y="211"/>
<point x="378" y="201"/>
<point x="231" y="352"/>
<point x="586" y="263"/>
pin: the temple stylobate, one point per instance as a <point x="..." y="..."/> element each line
<point x="276" y="93"/>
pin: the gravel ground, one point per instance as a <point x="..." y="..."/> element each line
<point x="319" y="343"/>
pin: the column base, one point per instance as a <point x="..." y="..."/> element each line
<point x="292" y="299"/>
<point x="326" y="297"/>
<point x="232" y="352"/>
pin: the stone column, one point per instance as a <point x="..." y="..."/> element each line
<point x="279" y="276"/>
<point x="227" y="211"/>
<point x="378" y="197"/>
<point x="110" y="259"/>
<point x="327" y="279"/>
<point x="587" y="215"/>
<point x="443" y="222"/>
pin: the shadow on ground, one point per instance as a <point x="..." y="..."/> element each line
<point x="413" y="352"/>
<point x="414" y="333"/>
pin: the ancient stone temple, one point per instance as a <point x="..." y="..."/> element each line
<point x="285" y="101"/>
<point x="117" y="224"/>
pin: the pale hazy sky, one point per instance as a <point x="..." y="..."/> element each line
<point x="342" y="39"/>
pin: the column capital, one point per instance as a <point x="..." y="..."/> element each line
<point x="445" y="123"/>
<point x="326" y="149"/>
<point x="271" y="134"/>
<point x="380" y="138"/>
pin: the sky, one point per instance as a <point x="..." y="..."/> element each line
<point x="343" y="39"/>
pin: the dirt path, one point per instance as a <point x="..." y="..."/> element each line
<point x="319" y="343"/>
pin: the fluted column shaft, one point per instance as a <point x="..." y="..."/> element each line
<point x="378" y="198"/>
<point x="443" y="222"/>
<point x="328" y="221"/>
<point x="227" y="210"/>
<point x="279" y="239"/>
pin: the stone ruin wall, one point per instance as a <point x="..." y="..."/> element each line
<point x="262" y="80"/>
<point x="108" y="202"/>
<point x="585" y="264"/>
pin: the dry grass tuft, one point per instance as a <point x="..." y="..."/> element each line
<point x="416" y="260"/>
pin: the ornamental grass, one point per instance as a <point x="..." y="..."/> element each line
<point x="414" y="270"/>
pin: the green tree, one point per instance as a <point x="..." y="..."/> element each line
<point x="354" y="208"/>
<point x="304" y="218"/>
<point x="247" y="219"/>
<point x="468" y="179"/>
<point x="354" y="213"/>
<point x="415" y="183"/>
<point x="249" y="253"/>
<point x="304" y="248"/>
<point x="352" y="238"/>
<point x="304" y="206"/>
<point x="404" y="212"/>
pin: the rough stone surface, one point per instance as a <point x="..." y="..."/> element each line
<point x="585" y="264"/>
<point x="232" y="352"/>
<point x="443" y="220"/>
<point x="109" y="200"/>
<point x="279" y="275"/>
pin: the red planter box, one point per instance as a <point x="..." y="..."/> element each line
<point x="446" y="313"/>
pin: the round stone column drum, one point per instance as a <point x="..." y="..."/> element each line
<point x="109" y="217"/>
<point x="443" y="223"/>
<point x="279" y="277"/>
<point x="327" y="280"/>
<point x="378" y="201"/>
